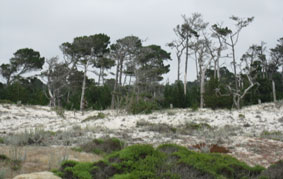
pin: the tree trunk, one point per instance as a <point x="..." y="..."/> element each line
<point x="130" y="80"/>
<point x="273" y="91"/>
<point x="197" y="70"/>
<point x="83" y="88"/>
<point x="202" y="89"/>
<point x="125" y="80"/>
<point x="121" y="73"/>
<point x="218" y="69"/>
<point x="215" y="70"/>
<point x="178" y="73"/>
<point x="103" y="69"/>
<point x="115" y="86"/>
<point x="234" y="65"/>
<point x="99" y="76"/>
<point x="52" y="100"/>
<point x="186" y="66"/>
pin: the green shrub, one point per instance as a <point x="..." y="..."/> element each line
<point x="274" y="171"/>
<point x="194" y="107"/>
<point x="102" y="146"/>
<point x="3" y="157"/>
<point x="100" y="115"/>
<point x="142" y="106"/>
<point x="167" y="161"/>
<point x="160" y="127"/>
<point x="214" y="99"/>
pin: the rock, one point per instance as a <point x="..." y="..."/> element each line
<point x="38" y="175"/>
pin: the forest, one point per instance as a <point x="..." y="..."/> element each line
<point x="97" y="74"/>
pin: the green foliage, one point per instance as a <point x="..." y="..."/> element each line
<point x="3" y="158"/>
<point x="142" y="106"/>
<point x="24" y="60"/>
<point x="194" y="107"/>
<point x="196" y="126"/>
<point x="213" y="95"/>
<point x="217" y="165"/>
<point x="98" y="97"/>
<point x="73" y="169"/>
<point x="167" y="161"/>
<point x="27" y="91"/>
<point x="174" y="94"/>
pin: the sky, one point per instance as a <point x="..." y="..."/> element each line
<point x="45" y="24"/>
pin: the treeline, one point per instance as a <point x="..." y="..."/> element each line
<point x="135" y="85"/>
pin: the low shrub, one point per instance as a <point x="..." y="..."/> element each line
<point x="160" y="127"/>
<point x="100" y="115"/>
<point x="167" y="161"/>
<point x="102" y="146"/>
<point x="3" y="158"/>
<point x="274" y="171"/>
<point x="142" y="106"/>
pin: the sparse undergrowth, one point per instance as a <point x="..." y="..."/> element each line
<point x="102" y="146"/>
<point x="167" y="161"/>
<point x="100" y="115"/>
<point x="156" y="127"/>
<point x="13" y="163"/>
<point x="274" y="135"/>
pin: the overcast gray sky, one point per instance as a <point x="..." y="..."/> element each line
<point x="45" y="24"/>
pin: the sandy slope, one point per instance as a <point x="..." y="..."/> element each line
<point x="239" y="131"/>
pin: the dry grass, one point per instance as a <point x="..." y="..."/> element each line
<point x="39" y="158"/>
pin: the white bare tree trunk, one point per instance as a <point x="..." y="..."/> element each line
<point x="202" y="85"/>
<point x="83" y="88"/>
<point x="52" y="100"/>
<point x="186" y="66"/>
<point x="273" y="91"/>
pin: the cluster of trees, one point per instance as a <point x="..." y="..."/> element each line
<point x="253" y="76"/>
<point x="66" y="82"/>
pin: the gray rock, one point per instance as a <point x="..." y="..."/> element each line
<point x="38" y="175"/>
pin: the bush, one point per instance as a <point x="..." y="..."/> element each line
<point x="100" y="115"/>
<point x="142" y="106"/>
<point x="214" y="100"/>
<point x="103" y="146"/>
<point x="274" y="171"/>
<point x="167" y="161"/>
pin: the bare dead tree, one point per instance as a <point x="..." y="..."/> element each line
<point x="186" y="32"/>
<point x="247" y="75"/>
<point x="179" y="47"/>
<point x="231" y="38"/>
<point x="56" y="75"/>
